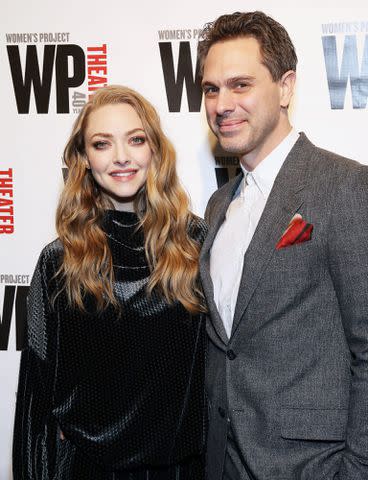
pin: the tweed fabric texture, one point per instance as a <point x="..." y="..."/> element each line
<point x="292" y="379"/>
<point x="127" y="390"/>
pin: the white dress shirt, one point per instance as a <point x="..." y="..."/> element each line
<point x="235" y="234"/>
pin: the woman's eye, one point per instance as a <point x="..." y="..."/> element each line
<point x="137" y="140"/>
<point x="99" y="145"/>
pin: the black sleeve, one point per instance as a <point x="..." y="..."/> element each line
<point x="198" y="229"/>
<point x="35" y="429"/>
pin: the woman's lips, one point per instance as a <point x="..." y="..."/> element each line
<point x="123" y="175"/>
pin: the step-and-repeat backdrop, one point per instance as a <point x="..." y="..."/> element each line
<point x="53" y="55"/>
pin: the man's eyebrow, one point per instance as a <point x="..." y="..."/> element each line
<point x="230" y="81"/>
<point x="239" y="78"/>
<point x="207" y="83"/>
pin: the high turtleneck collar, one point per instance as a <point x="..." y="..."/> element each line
<point x="121" y="218"/>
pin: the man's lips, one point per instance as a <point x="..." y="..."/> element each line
<point x="226" y="125"/>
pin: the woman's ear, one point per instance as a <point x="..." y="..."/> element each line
<point x="86" y="162"/>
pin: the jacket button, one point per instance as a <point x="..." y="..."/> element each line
<point x="221" y="412"/>
<point x="231" y="355"/>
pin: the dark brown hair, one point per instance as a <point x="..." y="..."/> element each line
<point x="277" y="49"/>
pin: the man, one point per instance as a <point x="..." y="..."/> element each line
<point x="285" y="272"/>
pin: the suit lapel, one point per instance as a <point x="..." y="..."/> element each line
<point x="285" y="199"/>
<point x="218" y="215"/>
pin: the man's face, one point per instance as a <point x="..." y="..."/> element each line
<point x="243" y="103"/>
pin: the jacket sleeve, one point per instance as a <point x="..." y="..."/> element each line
<point x="348" y="260"/>
<point x="35" y="430"/>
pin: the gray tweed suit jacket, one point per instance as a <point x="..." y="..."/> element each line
<point x="292" y="380"/>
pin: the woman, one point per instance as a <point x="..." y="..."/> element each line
<point x="111" y="379"/>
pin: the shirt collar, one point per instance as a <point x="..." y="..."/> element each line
<point x="265" y="173"/>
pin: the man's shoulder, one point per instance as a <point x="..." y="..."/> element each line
<point x="324" y="171"/>
<point x="219" y="197"/>
<point x="334" y="175"/>
<point x="225" y="190"/>
<point x="335" y="160"/>
<point x="329" y="161"/>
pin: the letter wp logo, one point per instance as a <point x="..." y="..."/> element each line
<point x="14" y="296"/>
<point x="55" y="57"/>
<point x="350" y="69"/>
<point x="174" y="84"/>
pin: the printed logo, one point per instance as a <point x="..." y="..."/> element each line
<point x="6" y="202"/>
<point x="14" y="305"/>
<point x="227" y="167"/>
<point x="183" y="42"/>
<point x="346" y="43"/>
<point x="39" y="60"/>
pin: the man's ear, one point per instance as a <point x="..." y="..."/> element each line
<point x="287" y="85"/>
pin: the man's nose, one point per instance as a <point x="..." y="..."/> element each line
<point x="225" y="102"/>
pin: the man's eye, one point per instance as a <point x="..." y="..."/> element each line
<point x="210" y="90"/>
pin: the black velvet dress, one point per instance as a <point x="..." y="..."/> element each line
<point x="127" y="391"/>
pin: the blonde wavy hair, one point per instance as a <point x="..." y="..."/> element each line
<point x="161" y="204"/>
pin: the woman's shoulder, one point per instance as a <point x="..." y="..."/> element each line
<point x="197" y="228"/>
<point x="52" y="249"/>
<point x="50" y="256"/>
<point x="43" y="280"/>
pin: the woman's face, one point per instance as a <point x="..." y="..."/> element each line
<point x="118" y="152"/>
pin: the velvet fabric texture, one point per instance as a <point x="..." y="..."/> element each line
<point x="126" y="390"/>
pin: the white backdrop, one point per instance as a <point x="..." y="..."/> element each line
<point x="60" y="36"/>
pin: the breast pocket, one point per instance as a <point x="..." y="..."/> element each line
<point x="298" y="251"/>
<point x="294" y="262"/>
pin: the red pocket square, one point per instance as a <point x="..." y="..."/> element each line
<point x="298" y="231"/>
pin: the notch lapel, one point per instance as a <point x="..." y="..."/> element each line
<point x="218" y="214"/>
<point x="285" y="200"/>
